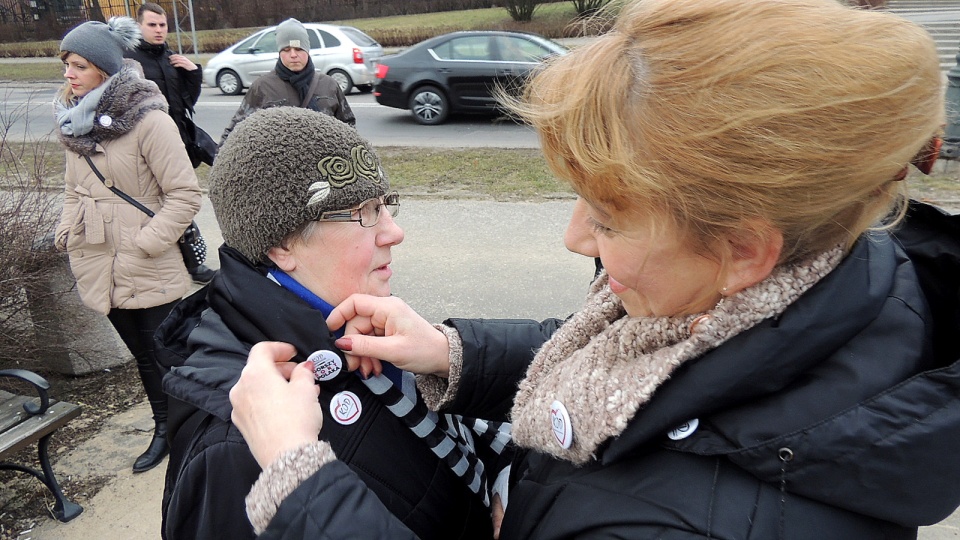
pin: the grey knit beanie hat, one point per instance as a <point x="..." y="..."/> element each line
<point x="103" y="44"/>
<point x="291" y="33"/>
<point x="282" y="167"/>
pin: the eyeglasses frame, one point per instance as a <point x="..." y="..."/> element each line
<point x="346" y="215"/>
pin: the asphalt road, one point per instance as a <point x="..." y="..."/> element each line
<point x="25" y="108"/>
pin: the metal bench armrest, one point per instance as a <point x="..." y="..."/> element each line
<point x="38" y="382"/>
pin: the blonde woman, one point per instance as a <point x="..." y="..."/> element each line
<point x="113" y="123"/>
<point x="761" y="357"/>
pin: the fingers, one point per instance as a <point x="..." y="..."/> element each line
<point x="301" y="376"/>
<point x="496" y="514"/>
<point x="270" y="351"/>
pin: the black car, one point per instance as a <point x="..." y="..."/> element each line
<point x="458" y="72"/>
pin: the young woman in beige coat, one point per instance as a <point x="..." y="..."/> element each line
<point x="127" y="265"/>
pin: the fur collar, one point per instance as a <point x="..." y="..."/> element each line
<point x="603" y="366"/>
<point x="127" y="98"/>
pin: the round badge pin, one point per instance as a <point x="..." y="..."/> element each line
<point x="560" y="421"/>
<point x="326" y="365"/>
<point x="684" y="430"/>
<point x="105" y="120"/>
<point x="345" y="408"/>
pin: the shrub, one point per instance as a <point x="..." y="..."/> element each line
<point x="521" y="10"/>
<point x="587" y="8"/>
<point x="29" y="209"/>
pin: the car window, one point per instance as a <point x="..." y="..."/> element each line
<point x="315" y="42"/>
<point x="465" y="48"/>
<point x="329" y="40"/>
<point x="358" y="37"/>
<point x="518" y="49"/>
<point x="268" y="42"/>
<point x="244" y="46"/>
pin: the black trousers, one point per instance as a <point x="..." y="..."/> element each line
<point x="136" y="328"/>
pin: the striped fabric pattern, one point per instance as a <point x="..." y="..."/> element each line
<point x="450" y="437"/>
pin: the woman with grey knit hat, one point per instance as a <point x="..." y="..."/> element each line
<point x="119" y="138"/>
<point x="307" y="217"/>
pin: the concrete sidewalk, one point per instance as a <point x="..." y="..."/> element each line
<point x="461" y="258"/>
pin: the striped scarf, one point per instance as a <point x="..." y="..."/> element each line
<point x="450" y="437"/>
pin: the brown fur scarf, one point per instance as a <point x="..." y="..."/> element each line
<point x="126" y="100"/>
<point x="603" y="366"/>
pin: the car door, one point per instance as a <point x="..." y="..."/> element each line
<point x="517" y="56"/>
<point x="467" y="65"/>
<point x="323" y="49"/>
<point x="257" y="58"/>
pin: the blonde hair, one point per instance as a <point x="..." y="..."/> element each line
<point x="65" y="95"/>
<point x="716" y="114"/>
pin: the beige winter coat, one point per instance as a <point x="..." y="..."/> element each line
<point x="122" y="258"/>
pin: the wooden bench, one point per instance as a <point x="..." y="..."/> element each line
<point x="27" y="420"/>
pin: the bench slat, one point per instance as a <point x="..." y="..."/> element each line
<point x="32" y="429"/>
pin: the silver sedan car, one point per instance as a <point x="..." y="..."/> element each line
<point x="343" y="52"/>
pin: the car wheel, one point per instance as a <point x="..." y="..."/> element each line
<point x="429" y="105"/>
<point x="229" y="82"/>
<point x="365" y="88"/>
<point x="344" y="80"/>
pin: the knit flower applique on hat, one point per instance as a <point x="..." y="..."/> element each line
<point x="339" y="172"/>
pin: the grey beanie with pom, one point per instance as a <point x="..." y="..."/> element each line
<point x="103" y="44"/>
<point x="282" y="167"/>
<point x="292" y="33"/>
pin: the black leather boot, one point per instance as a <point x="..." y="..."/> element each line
<point x="157" y="450"/>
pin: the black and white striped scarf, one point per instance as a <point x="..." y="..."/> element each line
<point x="450" y="437"/>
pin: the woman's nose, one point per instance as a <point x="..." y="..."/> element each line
<point x="390" y="233"/>
<point x="578" y="237"/>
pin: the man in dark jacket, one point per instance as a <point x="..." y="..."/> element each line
<point x="179" y="81"/>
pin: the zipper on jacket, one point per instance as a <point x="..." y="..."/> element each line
<point x="786" y="456"/>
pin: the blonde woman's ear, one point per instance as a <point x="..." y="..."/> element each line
<point x="755" y="249"/>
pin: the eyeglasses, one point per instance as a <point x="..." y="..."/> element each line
<point x="368" y="213"/>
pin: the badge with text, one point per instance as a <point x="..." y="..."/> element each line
<point x="345" y="408"/>
<point x="326" y="365"/>
<point x="562" y="428"/>
<point x="684" y="430"/>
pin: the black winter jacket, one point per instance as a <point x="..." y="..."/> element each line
<point x="211" y="469"/>
<point x="839" y="419"/>
<point x="180" y="86"/>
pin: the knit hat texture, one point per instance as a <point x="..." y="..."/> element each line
<point x="291" y="33"/>
<point x="282" y="167"/>
<point x="103" y="44"/>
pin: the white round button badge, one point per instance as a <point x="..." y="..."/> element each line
<point x="345" y="408"/>
<point x="684" y="430"/>
<point x="105" y="120"/>
<point x="560" y="421"/>
<point x="326" y="365"/>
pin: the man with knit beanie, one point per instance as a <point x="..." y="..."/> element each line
<point x="306" y="213"/>
<point x="179" y="81"/>
<point x="293" y="82"/>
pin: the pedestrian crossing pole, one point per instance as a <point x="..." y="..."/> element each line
<point x="951" y="139"/>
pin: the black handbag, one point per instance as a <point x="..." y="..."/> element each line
<point x="201" y="148"/>
<point x="193" y="247"/>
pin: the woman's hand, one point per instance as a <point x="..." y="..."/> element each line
<point x="274" y="415"/>
<point x="386" y="328"/>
